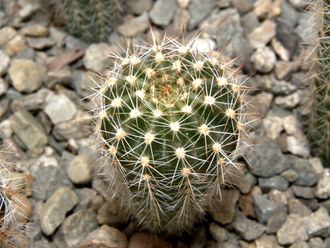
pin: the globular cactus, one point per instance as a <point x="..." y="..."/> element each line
<point x="319" y="121"/>
<point x="90" y="20"/>
<point x="12" y="219"/>
<point x="170" y="120"/>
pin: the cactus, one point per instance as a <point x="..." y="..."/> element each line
<point x="91" y="20"/>
<point x="319" y="121"/>
<point x="11" y="219"/>
<point x="170" y="120"/>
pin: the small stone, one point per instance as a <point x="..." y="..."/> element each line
<point x="261" y="35"/>
<point x="298" y="145"/>
<point x="246" y="183"/>
<point x="3" y="87"/>
<point x="282" y="69"/>
<point x="224" y="212"/>
<point x="15" y="45"/>
<point x="290" y="101"/>
<point x="323" y="185"/>
<point x="299" y="244"/>
<point x="293" y="230"/>
<point x="318" y="223"/>
<point x="6" y="34"/>
<point x="26" y="75"/>
<point x="276" y="182"/>
<point x="162" y="12"/>
<point x="198" y="11"/>
<point x="291" y="125"/>
<point x="86" y="198"/>
<point x="316" y="243"/>
<point x="276" y="220"/>
<point x="96" y="56"/>
<point x="303" y="192"/>
<point x="60" y="108"/>
<point x="220" y="234"/>
<point x="134" y="26"/>
<point x="307" y="176"/>
<point x="143" y="240"/>
<point x="34" y="30"/>
<point x="58" y="76"/>
<point x="28" y="8"/>
<point x="40" y="43"/>
<point x="203" y="45"/>
<point x="250" y="21"/>
<point x="54" y="211"/>
<point x="180" y="21"/>
<point x="297" y="207"/>
<point x="81" y="169"/>
<point x="264" y="59"/>
<point x="110" y="214"/>
<point x="105" y="237"/>
<point x="29" y="131"/>
<point x="266" y="160"/>
<point x="248" y="229"/>
<point x="140" y="6"/>
<point x="183" y="3"/>
<point x="300" y="3"/>
<point x="76" y="128"/>
<point x="77" y="226"/>
<point x="246" y="205"/>
<point x="280" y="50"/>
<point x="289" y="13"/>
<point x="262" y="8"/>
<point x="264" y="208"/>
<point x="4" y="62"/>
<point x="266" y="241"/>
<point x="287" y="36"/>
<point x="243" y="6"/>
<point x="290" y="175"/>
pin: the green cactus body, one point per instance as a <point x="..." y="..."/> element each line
<point x="91" y="20"/>
<point x="170" y="119"/>
<point x="319" y="126"/>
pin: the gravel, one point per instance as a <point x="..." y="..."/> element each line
<point x="283" y="197"/>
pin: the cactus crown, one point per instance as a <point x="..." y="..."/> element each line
<point x="170" y="119"/>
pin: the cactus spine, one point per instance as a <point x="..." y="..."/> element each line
<point x="91" y="20"/>
<point x="319" y="126"/>
<point x="170" y="120"/>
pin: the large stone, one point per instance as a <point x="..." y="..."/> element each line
<point x="293" y="230"/>
<point x="262" y="35"/>
<point x="198" y="10"/>
<point x="29" y="131"/>
<point x="105" y="237"/>
<point x="266" y="160"/>
<point x="60" y="108"/>
<point x="53" y="212"/>
<point x="248" y="229"/>
<point x="162" y="12"/>
<point x="134" y="26"/>
<point x="26" y="75"/>
<point x="6" y="34"/>
<point x="77" y="226"/>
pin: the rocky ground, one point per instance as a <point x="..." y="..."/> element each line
<point x="284" y="200"/>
